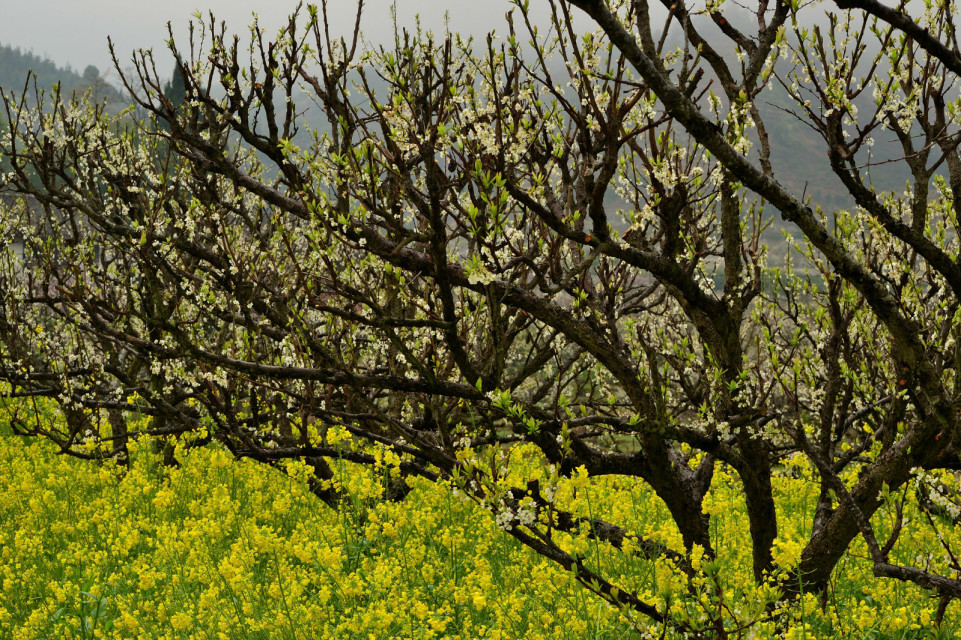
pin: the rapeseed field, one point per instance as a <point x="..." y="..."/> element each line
<point x="221" y="549"/>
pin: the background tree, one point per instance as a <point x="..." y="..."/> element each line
<point x="495" y="247"/>
<point x="174" y="90"/>
<point x="100" y="89"/>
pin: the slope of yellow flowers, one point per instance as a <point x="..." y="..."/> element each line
<point x="224" y="549"/>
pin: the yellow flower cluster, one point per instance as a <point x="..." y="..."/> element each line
<point x="223" y="549"/>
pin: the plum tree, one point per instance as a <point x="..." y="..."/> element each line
<point x="556" y="237"/>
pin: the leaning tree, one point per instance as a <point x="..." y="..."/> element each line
<point x="555" y="237"/>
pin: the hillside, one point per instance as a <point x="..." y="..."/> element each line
<point x="15" y="65"/>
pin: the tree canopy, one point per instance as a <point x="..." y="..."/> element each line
<point x="550" y="237"/>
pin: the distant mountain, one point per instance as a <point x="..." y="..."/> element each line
<point x="15" y="65"/>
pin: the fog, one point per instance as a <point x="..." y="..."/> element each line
<point x="75" y="33"/>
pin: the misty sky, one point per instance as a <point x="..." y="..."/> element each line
<point x="75" y="31"/>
